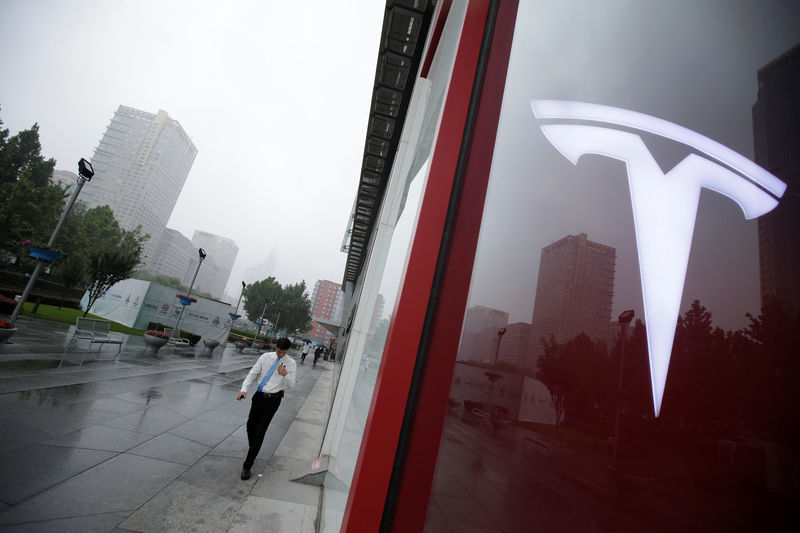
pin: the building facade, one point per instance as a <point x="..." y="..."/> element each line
<point x="174" y="257"/>
<point x="542" y="124"/>
<point x="221" y="251"/>
<point x="326" y="305"/>
<point x="141" y="164"/>
<point x="776" y="121"/>
<point x="574" y="292"/>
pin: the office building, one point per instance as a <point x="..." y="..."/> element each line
<point x="479" y="334"/>
<point x="175" y="257"/>
<point x="221" y="251"/>
<point x="573" y="292"/>
<point x="140" y="167"/>
<point x="326" y="306"/>
<point x="776" y="121"/>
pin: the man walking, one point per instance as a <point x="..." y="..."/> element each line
<point x="305" y="353"/>
<point x="317" y="353"/>
<point x="273" y="373"/>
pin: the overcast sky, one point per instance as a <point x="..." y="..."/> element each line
<point x="275" y="96"/>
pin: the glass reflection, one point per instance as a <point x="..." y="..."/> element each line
<point x="551" y="423"/>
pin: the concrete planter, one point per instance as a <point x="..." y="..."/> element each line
<point x="153" y="343"/>
<point x="6" y="334"/>
<point x="209" y="345"/>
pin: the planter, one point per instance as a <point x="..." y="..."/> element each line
<point x="153" y="343"/>
<point x="209" y="345"/>
<point x="6" y="334"/>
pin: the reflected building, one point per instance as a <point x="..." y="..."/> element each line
<point x="479" y="333"/>
<point x="573" y="293"/>
<point x="776" y="121"/>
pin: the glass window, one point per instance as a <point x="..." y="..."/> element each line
<point x="620" y="182"/>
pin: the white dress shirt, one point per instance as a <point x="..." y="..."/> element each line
<point x="276" y="381"/>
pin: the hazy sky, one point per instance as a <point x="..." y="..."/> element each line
<point x="275" y="96"/>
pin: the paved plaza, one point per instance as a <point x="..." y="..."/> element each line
<point x="141" y="442"/>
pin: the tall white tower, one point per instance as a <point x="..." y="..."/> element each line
<point x="140" y="167"/>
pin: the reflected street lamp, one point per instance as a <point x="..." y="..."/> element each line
<point x="85" y="173"/>
<point x="493" y="375"/>
<point x="202" y="254"/>
<point x="624" y="319"/>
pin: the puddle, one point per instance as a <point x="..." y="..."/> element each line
<point x="30" y="364"/>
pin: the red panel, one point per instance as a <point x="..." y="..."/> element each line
<point x="376" y="458"/>
<point x="414" y="492"/>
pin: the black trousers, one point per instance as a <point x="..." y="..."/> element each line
<point x="262" y="409"/>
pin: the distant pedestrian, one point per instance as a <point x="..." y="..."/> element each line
<point x="305" y="353"/>
<point x="317" y="353"/>
<point x="273" y="373"/>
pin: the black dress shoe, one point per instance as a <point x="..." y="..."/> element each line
<point x="245" y="473"/>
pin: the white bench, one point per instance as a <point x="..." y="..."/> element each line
<point x="95" y="331"/>
<point x="175" y="338"/>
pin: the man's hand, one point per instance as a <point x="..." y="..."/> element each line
<point x="241" y="395"/>
<point x="282" y="370"/>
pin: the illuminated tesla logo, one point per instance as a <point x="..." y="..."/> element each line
<point x="664" y="205"/>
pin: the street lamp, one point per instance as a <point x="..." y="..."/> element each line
<point x="202" y="254"/>
<point x="85" y="173"/>
<point x="624" y="319"/>
<point x="240" y="298"/>
<point x="493" y="375"/>
<point x="235" y="314"/>
<point x="260" y="324"/>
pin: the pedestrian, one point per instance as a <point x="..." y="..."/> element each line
<point x="317" y="353"/>
<point x="273" y="373"/>
<point x="305" y="353"/>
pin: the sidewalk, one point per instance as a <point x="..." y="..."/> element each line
<point x="137" y="442"/>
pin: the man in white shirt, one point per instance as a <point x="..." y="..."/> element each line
<point x="271" y="375"/>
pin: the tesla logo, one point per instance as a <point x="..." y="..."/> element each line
<point x="664" y="205"/>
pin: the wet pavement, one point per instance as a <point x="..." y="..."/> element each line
<point x="142" y="442"/>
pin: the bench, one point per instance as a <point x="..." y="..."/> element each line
<point x="95" y="331"/>
<point x="175" y="338"/>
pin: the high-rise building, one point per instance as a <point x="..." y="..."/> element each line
<point x="175" y="257"/>
<point x="776" y="121"/>
<point x="479" y="333"/>
<point x="140" y="167"/>
<point x="222" y="252"/>
<point x="65" y="178"/>
<point x="573" y="293"/>
<point x="326" y="304"/>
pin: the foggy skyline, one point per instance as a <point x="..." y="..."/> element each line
<point x="254" y="85"/>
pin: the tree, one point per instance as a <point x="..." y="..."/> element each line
<point x="289" y="302"/>
<point x="30" y="204"/>
<point x="262" y="297"/>
<point x="295" y="308"/>
<point x="115" y="253"/>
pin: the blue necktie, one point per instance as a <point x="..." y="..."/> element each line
<point x="269" y="374"/>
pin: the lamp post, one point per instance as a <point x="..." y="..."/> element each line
<point x="202" y="254"/>
<point x="493" y="375"/>
<point x="235" y="314"/>
<point x="260" y="323"/>
<point x="240" y="298"/>
<point x="624" y="319"/>
<point x="85" y="173"/>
